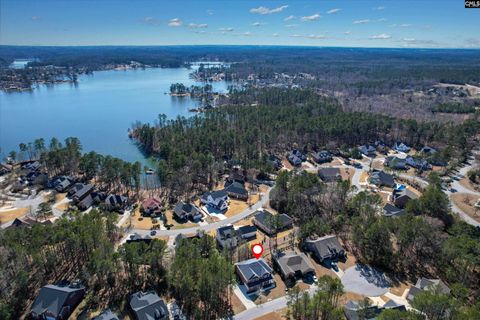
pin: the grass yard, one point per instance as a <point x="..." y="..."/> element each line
<point x="237" y="305"/>
<point x="178" y="225"/>
<point x="466" y="203"/>
<point x="9" y="215"/>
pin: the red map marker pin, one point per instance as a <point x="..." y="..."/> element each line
<point x="257" y="250"/>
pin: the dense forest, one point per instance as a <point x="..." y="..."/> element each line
<point x="283" y="119"/>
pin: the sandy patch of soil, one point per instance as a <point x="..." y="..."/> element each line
<point x="466" y="203"/>
<point x="9" y="215"/>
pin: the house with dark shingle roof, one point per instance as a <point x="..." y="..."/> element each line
<point x="185" y="211"/>
<point x="322" y="156"/>
<point x="226" y="237"/>
<point x="106" y="315"/>
<point x="216" y="199"/>
<point x="293" y="265"/>
<point x="247" y="232"/>
<point x="255" y="274"/>
<point x="271" y="224"/>
<point x="390" y="210"/>
<point x="427" y="284"/>
<point x="402" y="197"/>
<point x="116" y="202"/>
<point x="295" y="157"/>
<point x="401" y="147"/>
<point x="354" y="310"/>
<point x="325" y="248"/>
<point x="396" y="163"/>
<point x="236" y="190"/>
<point x="329" y="174"/>
<point x="57" y="302"/>
<point x="148" y="306"/>
<point x="368" y="150"/>
<point x="80" y="191"/>
<point x="274" y="161"/>
<point x="418" y="163"/>
<point x="380" y="178"/>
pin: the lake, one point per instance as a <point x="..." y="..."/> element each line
<point x="98" y="110"/>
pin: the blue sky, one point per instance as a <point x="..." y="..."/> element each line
<point x="354" y="23"/>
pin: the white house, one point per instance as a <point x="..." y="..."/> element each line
<point x="217" y="199"/>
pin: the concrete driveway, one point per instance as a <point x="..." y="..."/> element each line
<point x="365" y="280"/>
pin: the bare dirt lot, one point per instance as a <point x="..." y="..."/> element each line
<point x="466" y="203"/>
<point x="9" y="215"/>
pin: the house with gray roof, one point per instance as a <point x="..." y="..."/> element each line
<point x="226" y="237"/>
<point x="322" y="156"/>
<point x="148" y="306"/>
<point x="427" y="284"/>
<point x="236" y="190"/>
<point x="401" y="147"/>
<point x="115" y="202"/>
<point x="368" y="150"/>
<point x="295" y="157"/>
<point x="255" y="274"/>
<point x="187" y="211"/>
<point x="329" y="174"/>
<point x="380" y="178"/>
<point x="389" y="210"/>
<point x="216" y="199"/>
<point x="396" y="163"/>
<point x="106" y="315"/>
<point x="355" y="310"/>
<point x="247" y="232"/>
<point x="57" y="302"/>
<point x="80" y="191"/>
<point x="271" y="224"/>
<point x="293" y="265"/>
<point x="325" y="248"/>
<point x="402" y="197"/>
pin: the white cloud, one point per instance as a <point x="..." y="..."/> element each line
<point x="210" y="12"/>
<point x="247" y="34"/>
<point x="198" y="25"/>
<point x="175" y="22"/>
<point x="333" y="11"/>
<point x="381" y="20"/>
<point x="258" y="24"/>
<point x="275" y="35"/>
<point x="361" y="21"/>
<point x="35" y="18"/>
<point x="151" y="21"/>
<point x="405" y="25"/>
<point x="409" y="39"/>
<point x="289" y="18"/>
<point x="291" y="25"/>
<point x="265" y="10"/>
<point x="313" y="17"/>
<point x="226" y="29"/>
<point x="379" y="8"/>
<point x="380" y="36"/>
<point x="347" y="32"/>
<point x="314" y="36"/>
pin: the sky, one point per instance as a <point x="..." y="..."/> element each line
<point x="353" y="23"/>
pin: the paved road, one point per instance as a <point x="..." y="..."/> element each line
<point x="212" y="226"/>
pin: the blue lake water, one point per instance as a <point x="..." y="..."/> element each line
<point x="98" y="110"/>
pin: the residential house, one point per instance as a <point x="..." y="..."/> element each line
<point x="428" y="150"/>
<point x="380" y="178"/>
<point x="148" y="306"/>
<point x="115" y="202"/>
<point x="62" y="183"/>
<point x="322" y="156"/>
<point x="236" y="190"/>
<point x="178" y="239"/>
<point x="368" y="150"/>
<point x="31" y="166"/>
<point x="57" y="302"/>
<point x="152" y="207"/>
<point x="216" y="199"/>
<point x="427" y="284"/>
<point x="79" y="191"/>
<point x="390" y="210"/>
<point x="36" y="178"/>
<point x="330" y="174"/>
<point x="247" y="232"/>
<point x="354" y="310"/>
<point x="271" y="224"/>
<point x="187" y="211"/>
<point x="227" y="237"/>
<point x="418" y="163"/>
<point x="325" y="248"/>
<point x="274" y="161"/>
<point x="26" y="222"/>
<point x="138" y="238"/>
<point x="237" y="176"/>
<point x="403" y="196"/>
<point x="396" y="163"/>
<point x="255" y="274"/>
<point x="86" y="202"/>
<point x="293" y="265"/>
<point x="295" y="157"/>
<point x="106" y="315"/>
<point x="401" y="147"/>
